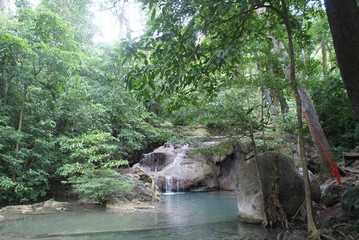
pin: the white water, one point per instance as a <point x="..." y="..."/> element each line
<point x="169" y="184"/>
<point x="178" y="159"/>
<point x="174" y="183"/>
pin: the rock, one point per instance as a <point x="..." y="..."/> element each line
<point x="352" y="228"/>
<point x="313" y="162"/>
<point x="142" y="189"/>
<point x="2" y="218"/>
<point x="229" y="168"/>
<point x="131" y="206"/>
<point x="17" y="209"/>
<point x="153" y="161"/>
<point x="326" y="217"/>
<point x="350" y="202"/>
<point x="295" y="235"/>
<point x="332" y="194"/>
<point x="176" y="168"/>
<point x="314" y="185"/>
<point x="246" y="236"/>
<point x="250" y="200"/>
<point x="55" y="204"/>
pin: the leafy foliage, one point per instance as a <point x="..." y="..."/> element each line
<point x="342" y="125"/>
<point x="78" y="122"/>
<point x="89" y="167"/>
<point x="73" y="111"/>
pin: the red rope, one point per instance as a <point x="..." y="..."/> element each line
<point x="334" y="167"/>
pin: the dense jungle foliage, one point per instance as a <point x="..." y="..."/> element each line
<point x="72" y="110"/>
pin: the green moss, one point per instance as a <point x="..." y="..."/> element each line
<point x="220" y="148"/>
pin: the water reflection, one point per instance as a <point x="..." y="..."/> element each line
<point x="179" y="216"/>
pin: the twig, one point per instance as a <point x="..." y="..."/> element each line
<point x="339" y="225"/>
<point x="327" y="237"/>
<point x="296" y="213"/>
<point x="343" y="234"/>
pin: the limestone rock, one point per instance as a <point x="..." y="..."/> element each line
<point x="250" y="200"/>
<point x="246" y="236"/>
<point x="142" y="188"/>
<point x="332" y="195"/>
<point x="175" y="168"/>
<point x="350" y="202"/>
<point x="17" y="209"/>
<point x="295" y="235"/>
<point x="129" y="206"/>
<point x="314" y="185"/>
<point x="55" y="204"/>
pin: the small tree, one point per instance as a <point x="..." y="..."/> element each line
<point x="90" y="164"/>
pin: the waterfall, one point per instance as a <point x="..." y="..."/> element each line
<point x="179" y="185"/>
<point x="180" y="156"/>
<point x="178" y="159"/>
<point x="169" y="184"/>
<point x="173" y="185"/>
<point x="166" y="178"/>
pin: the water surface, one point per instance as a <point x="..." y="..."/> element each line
<point x="176" y="217"/>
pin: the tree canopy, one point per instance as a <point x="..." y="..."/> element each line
<point x="72" y="111"/>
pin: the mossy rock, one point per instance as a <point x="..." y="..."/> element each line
<point x="350" y="202"/>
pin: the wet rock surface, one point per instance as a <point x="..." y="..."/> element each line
<point x="177" y="168"/>
<point x="17" y="211"/>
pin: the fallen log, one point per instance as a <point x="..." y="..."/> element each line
<point x="349" y="158"/>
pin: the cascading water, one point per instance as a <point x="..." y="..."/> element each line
<point x="178" y="159"/>
<point x="173" y="185"/>
<point x="179" y="185"/>
<point x="169" y="184"/>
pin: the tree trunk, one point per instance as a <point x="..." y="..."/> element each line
<point x="311" y="225"/>
<point x="317" y="134"/>
<point x="309" y="108"/>
<point x="265" y="89"/>
<point x="343" y="18"/>
<point x="268" y="99"/>
<point x="321" y="144"/>
<point x="21" y="115"/>
<point x="324" y="59"/>
<point x="283" y="102"/>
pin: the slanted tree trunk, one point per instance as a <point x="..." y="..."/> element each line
<point x="309" y="109"/>
<point x="320" y="141"/>
<point x="343" y="18"/>
<point x="311" y="225"/>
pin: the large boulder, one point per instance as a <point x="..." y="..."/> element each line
<point x="272" y="167"/>
<point x="314" y="185"/>
<point x="175" y="168"/>
<point x="350" y="202"/>
<point x="332" y="194"/>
